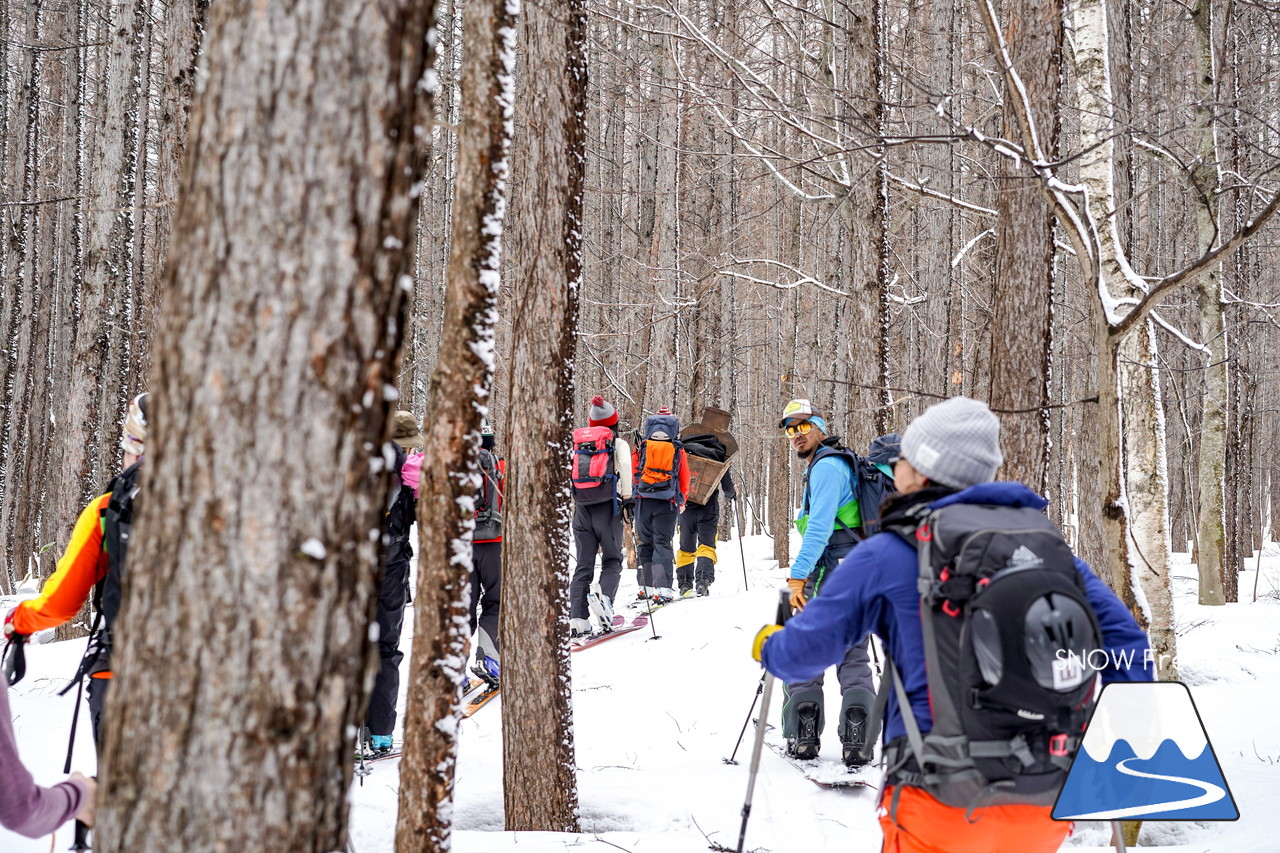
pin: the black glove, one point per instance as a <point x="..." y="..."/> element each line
<point x="629" y="510"/>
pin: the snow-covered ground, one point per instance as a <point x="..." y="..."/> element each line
<point x="653" y="720"/>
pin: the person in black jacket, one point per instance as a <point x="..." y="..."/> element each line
<point x="696" y="559"/>
<point x="394" y="594"/>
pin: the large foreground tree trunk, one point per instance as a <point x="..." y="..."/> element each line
<point x="243" y="649"/>
<point x="539" y="788"/>
<point x="458" y="397"/>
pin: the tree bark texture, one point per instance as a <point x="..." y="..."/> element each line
<point x="1206" y="180"/>
<point x="539" y="786"/>
<point x="1148" y="491"/>
<point x="459" y="396"/>
<point x="257" y="533"/>
<point x="1022" y="302"/>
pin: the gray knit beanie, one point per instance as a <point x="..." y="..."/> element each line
<point x="955" y="443"/>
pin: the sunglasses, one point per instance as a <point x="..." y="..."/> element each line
<point x="802" y="428"/>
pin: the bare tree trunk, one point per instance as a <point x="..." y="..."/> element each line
<point x="1148" y="491"/>
<point x="459" y="395"/>
<point x="289" y="254"/>
<point x="539" y="787"/>
<point x="1021" y="328"/>
<point x="1206" y="179"/>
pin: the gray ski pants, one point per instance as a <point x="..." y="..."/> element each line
<point x="856" y="684"/>
<point x="655" y="527"/>
<point x="486" y="589"/>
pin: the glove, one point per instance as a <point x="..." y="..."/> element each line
<point x="798" y="599"/>
<point x="757" y="645"/>
<point x="629" y="510"/>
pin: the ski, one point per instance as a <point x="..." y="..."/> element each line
<point x="823" y="772"/>
<point x="620" y="628"/>
<point x="480" y="700"/>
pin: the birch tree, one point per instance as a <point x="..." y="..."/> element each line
<point x="256" y="537"/>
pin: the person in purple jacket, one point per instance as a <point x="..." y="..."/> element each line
<point x="25" y="807"/>
<point x="949" y="455"/>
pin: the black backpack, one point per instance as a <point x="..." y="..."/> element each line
<point x="489" y="501"/>
<point x="870" y="485"/>
<point x="117" y="526"/>
<point x="1008" y="636"/>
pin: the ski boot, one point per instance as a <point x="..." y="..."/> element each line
<point x="806" y="744"/>
<point x="702" y="588"/>
<point x="664" y="595"/>
<point x="854" y="737"/>
<point x="380" y="745"/>
<point x="601" y="607"/>
<point x="579" y="628"/>
<point x="487" y="670"/>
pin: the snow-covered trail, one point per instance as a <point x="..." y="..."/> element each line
<point x="653" y="720"/>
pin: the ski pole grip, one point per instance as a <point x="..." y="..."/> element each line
<point x="784" y="607"/>
<point x="81" y="841"/>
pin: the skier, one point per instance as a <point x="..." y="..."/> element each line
<point x="698" y="525"/>
<point x="950" y="455"/>
<point x="486" y="558"/>
<point x="830" y="525"/>
<point x="393" y="594"/>
<point x="661" y="476"/>
<point x="94" y="562"/>
<point x="602" y="495"/>
<point x="27" y="808"/>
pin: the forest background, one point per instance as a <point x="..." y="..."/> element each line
<point x="1061" y="208"/>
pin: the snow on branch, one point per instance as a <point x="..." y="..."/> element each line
<point x="1192" y="271"/>
<point x="925" y="191"/>
<point x="802" y="278"/>
<point x="1168" y="327"/>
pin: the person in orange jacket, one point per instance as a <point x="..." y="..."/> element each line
<point x="93" y="564"/>
<point x="660" y="482"/>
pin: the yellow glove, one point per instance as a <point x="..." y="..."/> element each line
<point x="797" y="593"/>
<point x="763" y="634"/>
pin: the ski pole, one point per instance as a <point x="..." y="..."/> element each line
<point x="1118" y="836"/>
<point x="745" y="723"/>
<point x="81" y="841"/>
<point x="741" y="551"/>
<point x="784" y="611"/>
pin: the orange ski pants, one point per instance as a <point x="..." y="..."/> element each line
<point x="925" y="825"/>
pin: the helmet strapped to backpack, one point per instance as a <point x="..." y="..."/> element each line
<point x="659" y="467"/>
<point x="1008" y="636"/>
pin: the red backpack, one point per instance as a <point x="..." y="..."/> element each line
<point x="593" y="475"/>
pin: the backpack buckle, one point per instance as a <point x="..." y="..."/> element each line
<point x="1058" y="746"/>
<point x="923" y="533"/>
<point x="949" y="608"/>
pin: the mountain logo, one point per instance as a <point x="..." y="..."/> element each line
<point x="1145" y="755"/>
<point x="1023" y="558"/>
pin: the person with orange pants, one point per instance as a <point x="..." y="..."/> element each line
<point x="948" y="458"/>
<point x="93" y="563"/>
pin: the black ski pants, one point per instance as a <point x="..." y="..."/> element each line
<point x="596" y="529"/>
<point x="392" y="599"/>
<point x="486" y="592"/>
<point x="698" y="525"/>
<point x="655" y="527"/>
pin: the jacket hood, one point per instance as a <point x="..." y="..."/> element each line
<point x="1006" y="493"/>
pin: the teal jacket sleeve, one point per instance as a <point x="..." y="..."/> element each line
<point x="828" y="489"/>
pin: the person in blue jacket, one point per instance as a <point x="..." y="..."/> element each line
<point x="950" y="454"/>
<point x="830" y="524"/>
